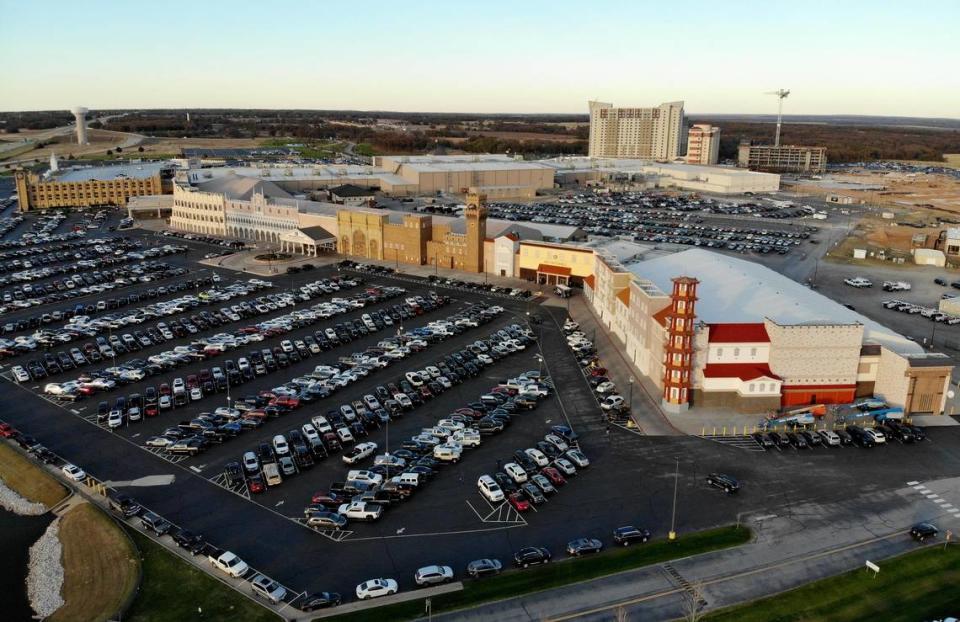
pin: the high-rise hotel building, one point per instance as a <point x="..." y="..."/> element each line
<point x="643" y="133"/>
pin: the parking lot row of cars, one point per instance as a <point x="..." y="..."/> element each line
<point x="324" y="435"/>
<point x="395" y="475"/>
<point x="107" y="345"/>
<point x="658" y="202"/>
<point x="931" y="313"/>
<point x="206" y="239"/>
<point x="34" y="240"/>
<point x="204" y="348"/>
<point x="864" y="436"/>
<point x="34" y="256"/>
<point x="92" y="282"/>
<point x="475" y="286"/>
<point x="194" y="436"/>
<point x="6" y="226"/>
<point x="623" y="215"/>
<point x="614" y="406"/>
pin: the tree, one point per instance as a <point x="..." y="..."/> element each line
<point x="693" y="602"/>
<point x="12" y="129"/>
<point x="140" y="149"/>
<point x="119" y="149"/>
<point x="109" y="152"/>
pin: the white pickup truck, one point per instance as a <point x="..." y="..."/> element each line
<point x="858" y="282"/>
<point x="229" y="563"/>
<point x="896" y="286"/>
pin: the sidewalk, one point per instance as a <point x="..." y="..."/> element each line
<point x="645" y="406"/>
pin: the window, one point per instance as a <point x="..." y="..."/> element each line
<point x="753" y="351"/>
<point x="719" y="352"/>
<point x="736" y="352"/>
<point x="750" y="387"/>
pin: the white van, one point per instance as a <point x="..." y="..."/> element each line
<point x="490" y="489"/>
<point x="447" y="453"/>
<point x="563" y="291"/>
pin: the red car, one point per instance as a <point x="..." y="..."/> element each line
<point x="6" y="431"/>
<point x="554" y="476"/>
<point x="165" y="389"/>
<point x="328" y="500"/>
<point x="505" y="390"/>
<point x="286" y="402"/>
<point x="598" y="371"/>
<point x="151" y="410"/>
<point x="255" y="484"/>
<point x="518" y="502"/>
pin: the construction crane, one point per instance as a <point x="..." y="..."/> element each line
<point x="781" y="95"/>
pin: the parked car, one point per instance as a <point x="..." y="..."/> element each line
<point x="725" y="482"/>
<point x="375" y="588"/>
<point x="433" y="575"/>
<point x="531" y="555"/>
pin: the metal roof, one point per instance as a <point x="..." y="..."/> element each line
<point x="734" y="290"/>
<point x="106" y="173"/>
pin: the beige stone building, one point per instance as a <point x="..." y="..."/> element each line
<point x="91" y="187"/>
<point x="416" y="239"/>
<point x="703" y="144"/>
<point x="645" y="133"/>
<point x="761" y="341"/>
<point x="782" y="159"/>
<point x="496" y="176"/>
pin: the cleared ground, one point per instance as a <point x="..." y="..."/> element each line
<point x="100" y="566"/>
<point x="172" y="590"/>
<point x="916" y="586"/>
<point x="29" y="480"/>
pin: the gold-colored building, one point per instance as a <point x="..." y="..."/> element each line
<point x="416" y="239"/>
<point x="94" y="187"/>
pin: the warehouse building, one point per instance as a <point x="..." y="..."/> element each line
<point x="716" y="331"/>
<point x="497" y="176"/>
<point x="92" y="187"/>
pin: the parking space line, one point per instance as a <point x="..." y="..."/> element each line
<point x="932" y="495"/>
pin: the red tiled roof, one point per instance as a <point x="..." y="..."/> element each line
<point x="624" y="296"/>
<point x="743" y="371"/>
<point x="546" y="268"/>
<point x="590" y="281"/>
<point x="738" y="333"/>
<point x="661" y="315"/>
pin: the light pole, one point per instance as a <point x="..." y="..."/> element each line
<point x="673" y="517"/>
<point x="631" y="394"/>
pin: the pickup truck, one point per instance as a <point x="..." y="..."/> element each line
<point x="228" y="563"/>
<point x="361" y="510"/>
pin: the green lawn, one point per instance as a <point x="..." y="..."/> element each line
<point x="364" y="149"/>
<point x="519" y="582"/>
<point x="174" y="591"/>
<point x="923" y="585"/>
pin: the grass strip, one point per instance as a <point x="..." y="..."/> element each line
<point x="100" y="566"/>
<point x="519" y="582"/>
<point x="921" y="585"/>
<point x="173" y="591"/>
<point x="29" y="480"/>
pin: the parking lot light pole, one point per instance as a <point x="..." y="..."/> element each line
<point x="631" y="394"/>
<point x="673" y="518"/>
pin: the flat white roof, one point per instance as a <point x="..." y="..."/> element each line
<point x="735" y="290"/>
<point x="106" y="173"/>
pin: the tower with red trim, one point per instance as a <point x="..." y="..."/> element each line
<point x="678" y="349"/>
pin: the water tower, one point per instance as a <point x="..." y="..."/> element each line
<point x="80" y="114"/>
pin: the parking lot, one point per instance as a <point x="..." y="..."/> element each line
<point x="630" y="478"/>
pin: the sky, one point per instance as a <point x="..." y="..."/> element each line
<point x="840" y="57"/>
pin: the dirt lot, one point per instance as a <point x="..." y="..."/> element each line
<point x="173" y="146"/>
<point x="900" y="190"/>
<point x="100" y="566"/>
<point x="65" y="145"/>
<point x="28" y="480"/>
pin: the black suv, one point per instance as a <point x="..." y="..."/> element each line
<point x="531" y="555"/>
<point x="124" y="505"/>
<point x="625" y="536"/>
<point x="152" y="522"/>
<point x="922" y="531"/>
<point x="728" y="484"/>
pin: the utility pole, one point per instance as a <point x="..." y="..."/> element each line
<point x="673" y="517"/>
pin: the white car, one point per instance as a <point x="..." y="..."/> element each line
<point x="516" y="472"/>
<point x="830" y="438"/>
<point x="114" y="419"/>
<point x="877" y="436"/>
<point x="858" y="282"/>
<point x="344" y="434"/>
<point x="280" y="445"/>
<point x="490" y="489"/>
<point x="414" y="378"/>
<point x="613" y="402"/>
<point x="368" y="477"/>
<point x="433" y="575"/>
<point x="578" y="458"/>
<point x="310" y="433"/>
<point x="360" y="452"/>
<point x="74" y="472"/>
<point x="196" y="394"/>
<point x="565" y="466"/>
<point x="20" y="374"/>
<point x="375" y="588"/>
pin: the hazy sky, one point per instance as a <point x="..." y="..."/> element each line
<point x="842" y="57"/>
